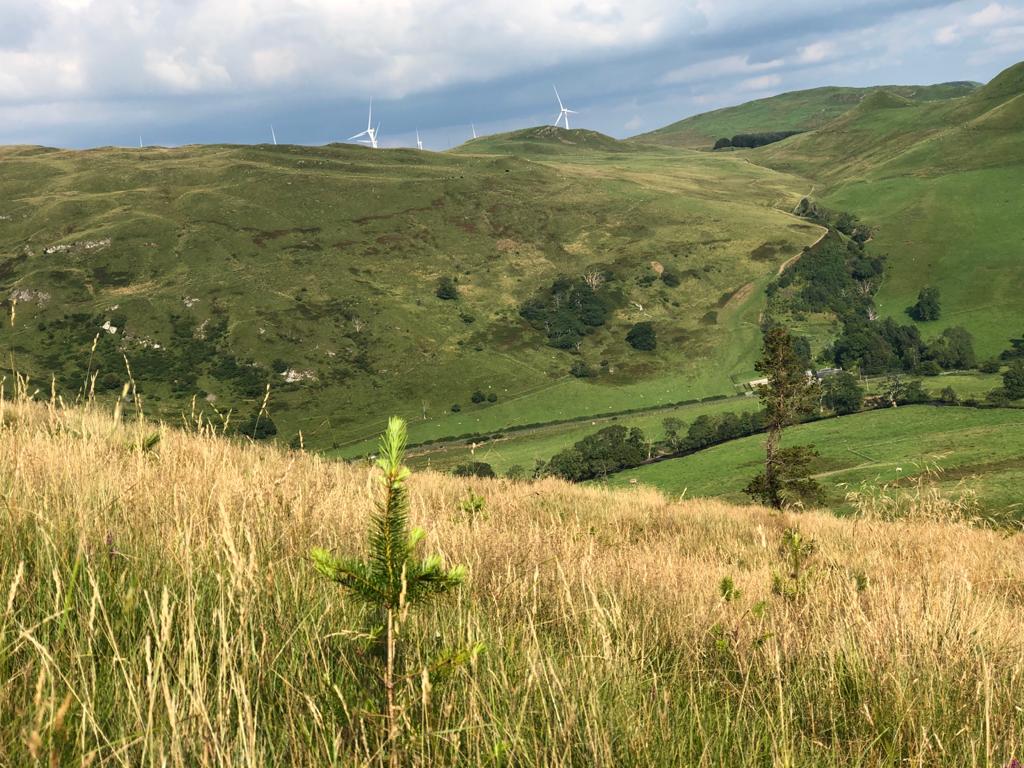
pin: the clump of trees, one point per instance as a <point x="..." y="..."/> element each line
<point x="927" y="306"/>
<point x="884" y="346"/>
<point x="835" y="275"/>
<point x="752" y="140"/>
<point x="842" y="393"/>
<point x="787" y="397"/>
<point x="606" y="452"/>
<point x="609" y="450"/>
<point x="570" y="309"/>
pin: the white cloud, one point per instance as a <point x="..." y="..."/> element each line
<point x="634" y="123"/>
<point x="992" y="14"/>
<point x="716" y="68"/>
<point x="763" y="83"/>
<point x="816" y="52"/>
<point x="947" y="35"/>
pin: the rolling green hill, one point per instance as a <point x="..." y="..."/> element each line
<point x="218" y="269"/>
<point x="795" y="111"/>
<point x="940" y="183"/>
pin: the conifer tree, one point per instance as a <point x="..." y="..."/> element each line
<point x="788" y="395"/>
<point x="392" y="580"/>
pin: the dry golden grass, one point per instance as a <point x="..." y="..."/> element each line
<point x="157" y="608"/>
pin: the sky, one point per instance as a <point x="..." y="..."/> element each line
<point x="83" y="73"/>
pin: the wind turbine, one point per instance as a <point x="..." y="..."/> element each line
<point x="471" y="125"/>
<point x="564" y="113"/>
<point x="140" y="142"/>
<point x="419" y="143"/>
<point x="273" y="135"/>
<point x="370" y="133"/>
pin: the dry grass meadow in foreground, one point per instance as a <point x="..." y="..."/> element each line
<point x="158" y="608"/>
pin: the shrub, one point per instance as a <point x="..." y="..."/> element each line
<point x="642" y="336"/>
<point x="929" y="368"/>
<point x="949" y="396"/>
<point x="1013" y="380"/>
<point x="474" y="469"/>
<point x="456" y="408"/>
<point x="446" y="289"/>
<point x="670" y="278"/>
<point x="580" y="370"/>
<point x="927" y="307"/>
<point x="478" y="397"/>
<point x="492" y="397"/>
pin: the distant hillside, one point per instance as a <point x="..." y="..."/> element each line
<point x="218" y="270"/>
<point x="545" y="140"/>
<point x="941" y="183"/>
<point x="796" y="111"/>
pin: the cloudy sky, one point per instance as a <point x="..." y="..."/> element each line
<point x="80" y="73"/>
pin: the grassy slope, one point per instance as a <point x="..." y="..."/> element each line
<point x="160" y="609"/>
<point x="941" y="182"/>
<point x="982" y="448"/>
<point x="326" y="259"/>
<point x="796" y="111"/>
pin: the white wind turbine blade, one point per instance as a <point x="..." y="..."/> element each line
<point x="369" y="117"/>
<point x="273" y="135"/>
<point x="560" y="104"/>
<point x="353" y="138"/>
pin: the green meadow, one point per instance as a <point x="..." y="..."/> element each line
<point x="977" y="450"/>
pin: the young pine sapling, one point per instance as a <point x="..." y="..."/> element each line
<point x="392" y="579"/>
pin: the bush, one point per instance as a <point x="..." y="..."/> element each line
<point x="927" y="307"/>
<point x="1013" y="380"/>
<point x="929" y="368"/>
<point x="990" y="366"/>
<point x="642" y="336"/>
<point x="478" y="396"/>
<point x="456" y="408"/>
<point x="259" y="426"/>
<point x="580" y="370"/>
<point x="474" y="469"/>
<point x="491" y="397"/>
<point x="670" y="278"/>
<point x="949" y="396"/>
<point x="446" y="289"/>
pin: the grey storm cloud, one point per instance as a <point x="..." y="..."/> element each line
<point x="89" y="72"/>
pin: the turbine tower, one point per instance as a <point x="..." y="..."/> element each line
<point x="419" y="142"/>
<point x="273" y="135"/>
<point x="370" y="133"/>
<point x="564" y="113"/>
